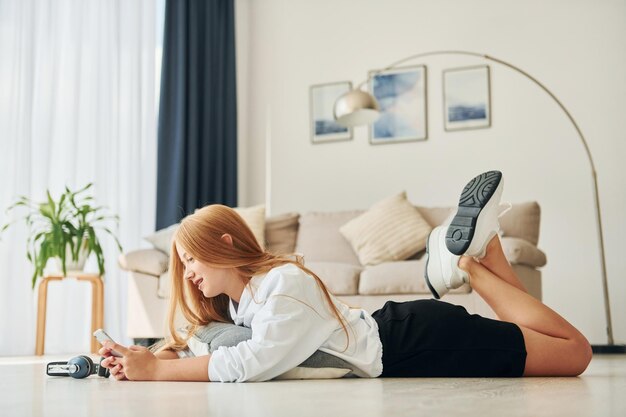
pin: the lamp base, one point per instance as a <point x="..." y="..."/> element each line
<point x="608" y="349"/>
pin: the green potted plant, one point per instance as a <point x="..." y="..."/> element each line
<point x="64" y="229"/>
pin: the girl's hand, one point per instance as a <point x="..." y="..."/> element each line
<point x="137" y="364"/>
<point x="116" y="369"/>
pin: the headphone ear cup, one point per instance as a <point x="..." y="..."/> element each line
<point x="84" y="365"/>
<point x="81" y="366"/>
<point x="92" y="367"/>
<point x="102" y="371"/>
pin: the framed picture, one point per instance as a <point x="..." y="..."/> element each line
<point x="324" y="128"/>
<point x="467" y="98"/>
<point x="401" y="94"/>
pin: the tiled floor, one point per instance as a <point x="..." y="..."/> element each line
<point x="25" y="390"/>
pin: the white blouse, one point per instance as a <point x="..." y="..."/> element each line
<point x="290" y="319"/>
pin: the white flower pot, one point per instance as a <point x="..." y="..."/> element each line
<point x="54" y="265"/>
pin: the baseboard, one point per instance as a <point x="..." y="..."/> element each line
<point x="607" y="349"/>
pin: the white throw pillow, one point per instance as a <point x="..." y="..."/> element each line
<point x="255" y="219"/>
<point x="253" y="216"/>
<point x="162" y="239"/>
<point x="391" y="230"/>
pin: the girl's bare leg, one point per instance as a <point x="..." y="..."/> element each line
<point x="554" y="347"/>
<point x="496" y="262"/>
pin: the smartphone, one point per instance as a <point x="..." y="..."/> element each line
<point x="102" y="337"/>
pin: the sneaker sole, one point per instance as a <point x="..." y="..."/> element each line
<point x="430" y="286"/>
<point x="473" y="199"/>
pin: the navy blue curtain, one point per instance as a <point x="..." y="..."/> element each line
<point x="197" y="155"/>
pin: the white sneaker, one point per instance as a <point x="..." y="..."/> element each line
<point x="476" y="220"/>
<point x="442" y="271"/>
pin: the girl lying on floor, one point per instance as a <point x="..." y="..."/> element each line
<point x="221" y="274"/>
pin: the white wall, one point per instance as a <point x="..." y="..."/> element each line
<point x="576" y="48"/>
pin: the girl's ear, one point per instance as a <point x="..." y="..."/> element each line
<point x="227" y="238"/>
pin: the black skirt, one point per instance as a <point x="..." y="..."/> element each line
<point x="431" y="338"/>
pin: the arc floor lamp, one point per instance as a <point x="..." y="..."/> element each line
<point x="358" y="107"/>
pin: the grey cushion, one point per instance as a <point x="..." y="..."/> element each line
<point x="226" y="334"/>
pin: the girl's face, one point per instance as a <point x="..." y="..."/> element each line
<point x="208" y="280"/>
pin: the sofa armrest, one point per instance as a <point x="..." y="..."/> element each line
<point x="147" y="261"/>
<point x="520" y="251"/>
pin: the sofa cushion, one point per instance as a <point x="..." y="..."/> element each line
<point x="391" y="230"/>
<point x="522" y="221"/>
<point x="148" y="261"/>
<point x="253" y="216"/>
<point x="339" y="278"/>
<point x="520" y="251"/>
<point x="165" y="283"/>
<point x="162" y="239"/>
<point x="255" y="219"/>
<point x="281" y="232"/>
<point x="319" y="238"/>
<point x="320" y="365"/>
<point x="436" y="215"/>
<point x="404" y="277"/>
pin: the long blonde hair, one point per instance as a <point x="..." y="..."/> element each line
<point x="200" y="234"/>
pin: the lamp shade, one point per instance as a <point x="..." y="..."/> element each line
<point x="356" y="107"/>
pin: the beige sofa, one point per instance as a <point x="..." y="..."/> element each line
<point x="316" y="235"/>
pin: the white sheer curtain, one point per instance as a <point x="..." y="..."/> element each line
<point x="77" y="105"/>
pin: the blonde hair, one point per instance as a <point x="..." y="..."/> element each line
<point x="200" y="234"/>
